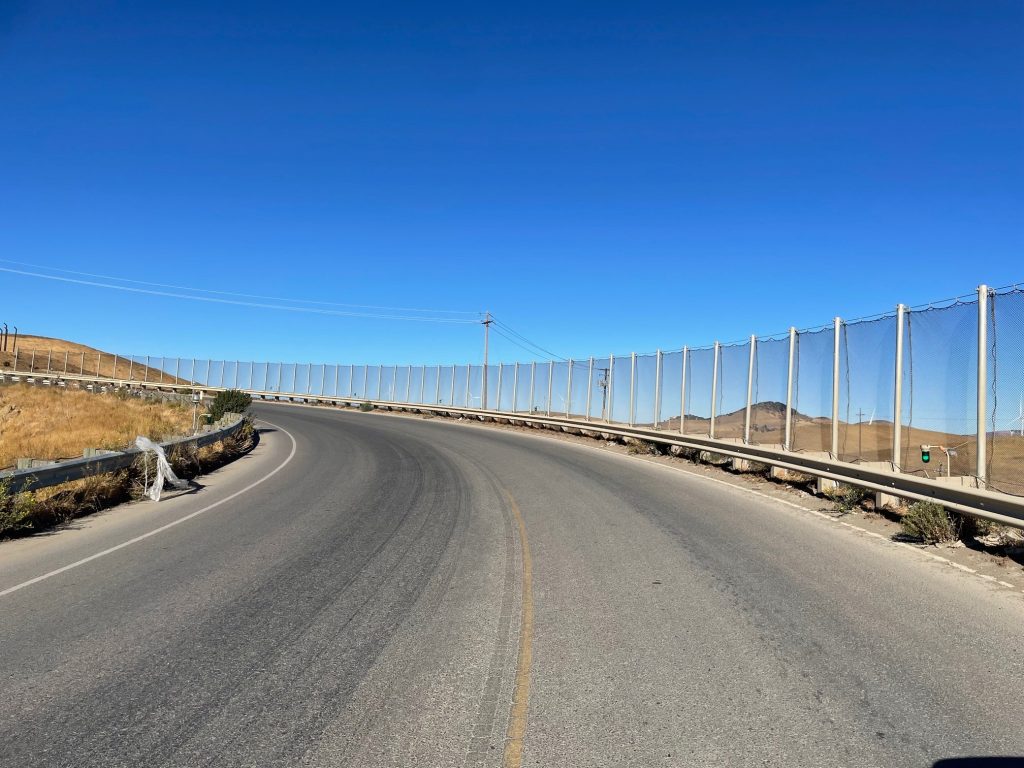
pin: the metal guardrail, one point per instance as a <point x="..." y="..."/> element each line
<point x="1001" y="508"/>
<point x="76" y="469"/>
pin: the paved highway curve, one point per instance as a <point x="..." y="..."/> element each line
<point x="366" y="606"/>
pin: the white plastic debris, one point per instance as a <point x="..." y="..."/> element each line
<point x="163" y="469"/>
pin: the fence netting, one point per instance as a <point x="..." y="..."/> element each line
<point x="1006" y="393"/>
<point x="671" y="390"/>
<point x="645" y="390"/>
<point x="731" y="408"/>
<point x="940" y="379"/>
<point x="867" y="360"/>
<point x="812" y="391"/>
<point x="618" y="398"/>
<point x="768" y="399"/>
<point x="700" y="365"/>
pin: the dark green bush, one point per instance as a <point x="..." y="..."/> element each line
<point x="229" y="401"/>
<point x="366" y="406"/>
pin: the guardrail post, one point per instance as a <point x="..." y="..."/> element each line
<point x="533" y="385"/>
<point x="788" y="442"/>
<point x="682" y="390"/>
<point x="751" y="361"/>
<point x="568" y="391"/>
<point x="714" y="390"/>
<point x="515" y="387"/>
<point x="590" y="385"/>
<point x="657" y="388"/>
<point x="982" y="466"/>
<point x="551" y="379"/>
<point x="897" y="392"/>
<point x="632" y="388"/>
<point x="608" y="388"/>
<point x="837" y="329"/>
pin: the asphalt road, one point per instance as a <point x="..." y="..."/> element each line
<point x="375" y="602"/>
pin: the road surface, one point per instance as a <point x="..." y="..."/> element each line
<point x="419" y="592"/>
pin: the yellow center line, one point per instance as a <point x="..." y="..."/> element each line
<point x="513" y="756"/>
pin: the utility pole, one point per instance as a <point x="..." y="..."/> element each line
<point x="483" y="379"/>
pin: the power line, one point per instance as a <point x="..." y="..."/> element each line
<point x="513" y="341"/>
<point x="232" y="293"/>
<point x="235" y="302"/>
<point x="536" y="346"/>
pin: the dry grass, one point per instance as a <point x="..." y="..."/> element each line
<point x="53" y="423"/>
<point x="50" y="355"/>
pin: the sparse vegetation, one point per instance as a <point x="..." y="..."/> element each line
<point x="642" y="448"/>
<point x="54" y="423"/>
<point x="229" y="401"/>
<point x="366" y="406"/>
<point x="847" y="497"/>
<point x="929" y="522"/>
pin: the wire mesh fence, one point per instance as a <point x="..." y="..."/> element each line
<point x="747" y="391"/>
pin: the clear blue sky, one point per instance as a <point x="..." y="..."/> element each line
<point x="602" y="177"/>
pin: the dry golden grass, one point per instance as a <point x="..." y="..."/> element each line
<point x="80" y="359"/>
<point x="53" y="423"/>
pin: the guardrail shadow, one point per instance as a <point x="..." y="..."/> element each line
<point x="980" y="762"/>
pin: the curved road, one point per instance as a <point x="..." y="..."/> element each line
<point x="375" y="602"/>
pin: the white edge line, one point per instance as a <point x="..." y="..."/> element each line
<point x="162" y="528"/>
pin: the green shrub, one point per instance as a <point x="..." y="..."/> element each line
<point x="929" y="522"/>
<point x="642" y="448"/>
<point x="366" y="406"/>
<point x="229" y="401"/>
<point x="16" y="509"/>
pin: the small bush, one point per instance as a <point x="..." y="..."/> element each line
<point x="929" y="522"/>
<point x="16" y="509"/>
<point x="366" y="406"/>
<point x="847" y="497"/>
<point x="229" y="401"/>
<point x="642" y="448"/>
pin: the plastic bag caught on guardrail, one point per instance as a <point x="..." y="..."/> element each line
<point x="163" y="469"/>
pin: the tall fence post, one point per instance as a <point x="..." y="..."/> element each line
<point x="237" y="365"/>
<point x="280" y="374"/>
<point x="837" y="330"/>
<point x="380" y="379"/>
<point x="897" y="391"/>
<point x="145" y="373"/>
<point x="32" y="362"/>
<point x="632" y="388"/>
<point x="590" y="385"/>
<point x="714" y="390"/>
<point x="515" y="387"/>
<point x="982" y="467"/>
<point x="497" y="404"/>
<point x="437" y="386"/>
<point x="533" y="385"/>
<point x="608" y="394"/>
<point x="451" y="397"/>
<point x="751" y="361"/>
<point x="112" y="375"/>
<point x="177" y="369"/>
<point x="408" y="383"/>
<point x="551" y="380"/>
<point x="568" y="391"/>
<point x="657" y="389"/>
<point x="99" y="358"/>
<point x="366" y="382"/>
<point x="66" y="353"/>
<point x="469" y="389"/>
<point x="351" y="380"/>
<point x="323" y="379"/>
<point x="682" y="391"/>
<point x="394" y="383"/>
<point x="191" y="377"/>
<point x="788" y="443"/>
